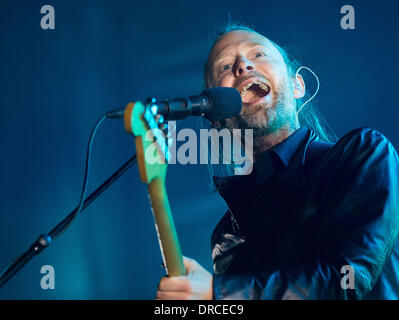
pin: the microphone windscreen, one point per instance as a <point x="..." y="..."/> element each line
<point x="225" y="102"/>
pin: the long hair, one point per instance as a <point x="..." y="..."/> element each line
<point x="309" y="116"/>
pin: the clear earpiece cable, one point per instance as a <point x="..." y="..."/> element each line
<point x="317" y="89"/>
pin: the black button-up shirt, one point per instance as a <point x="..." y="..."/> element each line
<point x="308" y="209"/>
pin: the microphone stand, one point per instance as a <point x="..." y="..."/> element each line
<point x="44" y="240"/>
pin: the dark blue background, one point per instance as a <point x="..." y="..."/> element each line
<point x="54" y="84"/>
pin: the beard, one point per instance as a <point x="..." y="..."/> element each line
<point x="264" y="119"/>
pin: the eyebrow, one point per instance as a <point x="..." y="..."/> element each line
<point x="254" y="44"/>
<point x="251" y="45"/>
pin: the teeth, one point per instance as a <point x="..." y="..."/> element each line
<point x="244" y="90"/>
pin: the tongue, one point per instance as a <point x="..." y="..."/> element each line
<point x="252" y="94"/>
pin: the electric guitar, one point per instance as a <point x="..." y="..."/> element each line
<point x="152" y="155"/>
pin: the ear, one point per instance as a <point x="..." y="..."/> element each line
<point x="299" y="87"/>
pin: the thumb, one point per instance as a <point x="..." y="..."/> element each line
<point x="189" y="264"/>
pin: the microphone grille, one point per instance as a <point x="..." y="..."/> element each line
<point x="225" y="102"/>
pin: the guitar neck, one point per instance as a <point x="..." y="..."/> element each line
<point x="167" y="235"/>
<point x="139" y="121"/>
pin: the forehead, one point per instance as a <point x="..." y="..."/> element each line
<point x="235" y="40"/>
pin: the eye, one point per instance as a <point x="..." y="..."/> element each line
<point x="260" y="54"/>
<point x="224" y="67"/>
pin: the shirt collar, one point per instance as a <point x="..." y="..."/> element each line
<point x="284" y="150"/>
<point x="287" y="148"/>
<point x="278" y="158"/>
<point x="270" y="161"/>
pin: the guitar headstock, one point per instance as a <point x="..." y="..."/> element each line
<point x="152" y="142"/>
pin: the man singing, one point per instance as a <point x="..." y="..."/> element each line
<point x="316" y="218"/>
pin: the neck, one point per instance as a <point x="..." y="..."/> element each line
<point x="263" y="143"/>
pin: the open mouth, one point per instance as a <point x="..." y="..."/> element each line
<point x="254" y="91"/>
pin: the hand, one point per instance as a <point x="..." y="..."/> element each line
<point x="195" y="285"/>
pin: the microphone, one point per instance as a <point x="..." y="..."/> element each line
<point x="217" y="103"/>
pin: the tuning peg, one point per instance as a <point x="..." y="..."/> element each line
<point x="161" y="118"/>
<point x="150" y="100"/>
<point x="151" y="103"/>
<point x="154" y="109"/>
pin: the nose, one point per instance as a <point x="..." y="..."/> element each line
<point x="243" y="66"/>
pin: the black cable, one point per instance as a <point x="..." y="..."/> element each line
<point x="64" y="224"/>
<point x="44" y="240"/>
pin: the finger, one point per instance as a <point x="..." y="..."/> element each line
<point x="174" y="284"/>
<point x="171" y="295"/>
